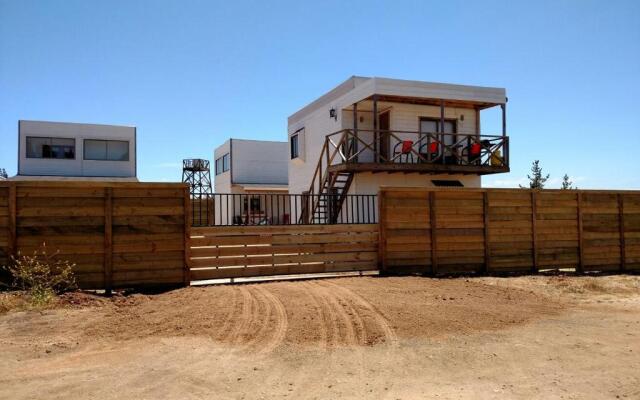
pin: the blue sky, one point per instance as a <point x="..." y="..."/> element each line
<point x="190" y="74"/>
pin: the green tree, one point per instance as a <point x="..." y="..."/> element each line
<point x="3" y="173"/>
<point x="567" y="183"/>
<point x="536" y="179"/>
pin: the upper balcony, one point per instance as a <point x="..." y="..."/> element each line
<point x="360" y="150"/>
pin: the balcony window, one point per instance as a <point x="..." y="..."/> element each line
<point x="106" y="150"/>
<point x="48" y="147"/>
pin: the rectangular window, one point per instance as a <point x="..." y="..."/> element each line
<point x="47" y="147"/>
<point x="106" y="150"/>
<point x="294" y="147"/>
<point x="225" y="162"/>
<point x="222" y="164"/>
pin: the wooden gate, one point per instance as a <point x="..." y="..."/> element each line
<point x="252" y="251"/>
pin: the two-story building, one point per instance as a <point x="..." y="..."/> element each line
<point x="373" y="132"/>
<point x="61" y="150"/>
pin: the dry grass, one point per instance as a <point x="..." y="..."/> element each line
<point x="12" y="301"/>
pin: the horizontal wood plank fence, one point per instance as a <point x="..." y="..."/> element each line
<point x="250" y="251"/>
<point x="117" y="234"/>
<point x="508" y="230"/>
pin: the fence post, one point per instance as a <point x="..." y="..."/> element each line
<point x="108" y="240"/>
<point x="11" y="226"/>
<point x="434" y="238"/>
<point x="382" y="231"/>
<point x="210" y="207"/>
<point x="580" y="269"/>
<point x="623" y="255"/>
<point x="534" y="238"/>
<point x="487" y="252"/>
<point x="187" y="235"/>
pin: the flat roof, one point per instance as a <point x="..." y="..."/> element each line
<point x="358" y="88"/>
<point x="60" y="178"/>
<point x="73" y="123"/>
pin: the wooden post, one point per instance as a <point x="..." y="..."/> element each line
<point x="355" y="130"/>
<point x="375" y="128"/>
<point x="12" y="245"/>
<point x="487" y="252"/>
<point x="187" y="236"/>
<point x="108" y="240"/>
<point x="382" y="229"/>
<point x="623" y="255"/>
<point x="211" y="203"/>
<point x="534" y="238"/>
<point x="580" y="268"/>
<point x="442" y="139"/>
<point x="434" y="236"/>
<point x="504" y="119"/>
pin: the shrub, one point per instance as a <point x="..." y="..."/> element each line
<point x="41" y="275"/>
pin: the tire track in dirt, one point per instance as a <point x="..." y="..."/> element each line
<point x="330" y="320"/>
<point x="348" y="331"/>
<point x="322" y="321"/>
<point x="256" y="331"/>
<point x="390" y="336"/>
<point x="278" y="332"/>
<point x="229" y="317"/>
<point x="243" y="319"/>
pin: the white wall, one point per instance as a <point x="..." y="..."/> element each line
<point x="403" y="117"/>
<point x="369" y="183"/>
<point x="77" y="166"/>
<point x="259" y="161"/>
<point x="221" y="182"/>
<point x="316" y="126"/>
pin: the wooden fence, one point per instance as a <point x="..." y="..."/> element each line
<point x="512" y="230"/>
<point x="117" y="234"/>
<point x="249" y="251"/>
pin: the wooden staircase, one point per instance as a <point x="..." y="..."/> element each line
<point x="328" y="190"/>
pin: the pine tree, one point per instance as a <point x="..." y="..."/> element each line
<point x="3" y="173"/>
<point x="566" y="183"/>
<point x="536" y="180"/>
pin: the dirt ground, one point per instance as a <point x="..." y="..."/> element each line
<point x="363" y="337"/>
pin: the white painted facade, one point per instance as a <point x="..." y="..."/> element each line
<point x="254" y="166"/>
<point x="313" y="122"/>
<point x="35" y="162"/>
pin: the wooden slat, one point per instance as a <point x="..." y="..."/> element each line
<point x="108" y="240"/>
<point x="434" y="237"/>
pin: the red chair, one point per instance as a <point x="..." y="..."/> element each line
<point x="475" y="150"/>
<point x="405" y="150"/>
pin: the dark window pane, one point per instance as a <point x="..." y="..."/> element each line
<point x="294" y="146"/>
<point x="225" y="162"/>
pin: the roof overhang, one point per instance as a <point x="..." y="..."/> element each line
<point x="357" y="89"/>
<point x="261" y="187"/>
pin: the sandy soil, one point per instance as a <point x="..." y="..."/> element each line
<point x="366" y="337"/>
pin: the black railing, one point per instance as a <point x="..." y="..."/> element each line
<point x="222" y="209"/>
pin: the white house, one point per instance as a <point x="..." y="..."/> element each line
<point x="372" y="132"/>
<point x="254" y="172"/>
<point x="61" y="150"/>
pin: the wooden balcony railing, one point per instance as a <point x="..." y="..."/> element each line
<point x="490" y="152"/>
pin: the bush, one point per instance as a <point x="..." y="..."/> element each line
<point x="41" y="275"/>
